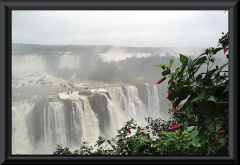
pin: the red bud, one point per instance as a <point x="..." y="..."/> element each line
<point x="175" y="127"/>
<point x="225" y="49"/>
<point x="169" y="92"/>
<point x="219" y="131"/>
<point x="174" y="106"/>
<point x="161" y="80"/>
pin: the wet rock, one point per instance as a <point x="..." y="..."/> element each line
<point x="98" y="104"/>
<point x="84" y="92"/>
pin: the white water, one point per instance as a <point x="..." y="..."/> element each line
<point x="109" y="57"/>
<point x="90" y="128"/>
<point x="21" y="142"/>
<point x="70" y="61"/>
<point x="84" y="123"/>
<point x="27" y="63"/>
<point x="153" y="100"/>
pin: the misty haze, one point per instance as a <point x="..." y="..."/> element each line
<point x="67" y="93"/>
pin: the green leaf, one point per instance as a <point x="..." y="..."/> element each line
<point x="189" y="129"/>
<point x="222" y="141"/>
<point x="196" y="99"/>
<point x="216" y="50"/>
<point x="220" y="69"/>
<point x="191" y="80"/>
<point x="183" y="58"/>
<point x="189" y="108"/>
<point x="207" y="78"/>
<point x="219" y="125"/>
<point x="200" y="61"/>
<point x="211" y="98"/>
<point x="166" y="72"/>
<point x="171" y="81"/>
<point x="207" y="109"/>
<point x="161" y="65"/>
<point x="175" y="94"/>
<point x="111" y="144"/>
<point x="144" y="139"/>
<point x="183" y="68"/>
<point x="195" y="138"/>
<point x="178" y="69"/>
<point x="170" y="63"/>
<point x="225" y="90"/>
<point x="190" y="63"/>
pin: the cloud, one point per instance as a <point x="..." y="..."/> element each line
<point x="120" y="28"/>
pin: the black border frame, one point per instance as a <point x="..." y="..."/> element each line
<point x="6" y="6"/>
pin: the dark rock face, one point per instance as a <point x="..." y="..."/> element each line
<point x="70" y="111"/>
<point x="142" y="93"/>
<point x="98" y="104"/>
<point x="36" y="130"/>
<point x="35" y="122"/>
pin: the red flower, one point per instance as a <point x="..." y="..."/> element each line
<point x="161" y="80"/>
<point x="129" y="131"/>
<point x="225" y="49"/>
<point x="223" y="45"/>
<point x="140" y="133"/>
<point x="148" y="136"/>
<point x="142" y="128"/>
<point x="174" y="127"/>
<point x="174" y="106"/>
<point x="219" y="131"/>
<point x="216" y="140"/>
<point x="169" y="92"/>
<point x="180" y="110"/>
<point x="216" y="119"/>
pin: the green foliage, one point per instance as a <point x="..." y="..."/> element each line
<point x="198" y="125"/>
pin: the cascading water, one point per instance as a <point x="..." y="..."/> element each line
<point x="39" y="125"/>
<point x="153" y="100"/>
<point x="70" y="61"/>
<point x="21" y="142"/>
<point x="27" y="63"/>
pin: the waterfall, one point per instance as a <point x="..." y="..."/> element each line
<point x="28" y="63"/>
<point x="127" y="104"/>
<point x="90" y="128"/>
<point x="40" y="124"/>
<point x="110" y="57"/>
<point x="54" y="124"/>
<point x="153" y="100"/>
<point x="70" y="61"/>
<point x="21" y="142"/>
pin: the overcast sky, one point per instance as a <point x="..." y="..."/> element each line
<point x="120" y="28"/>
